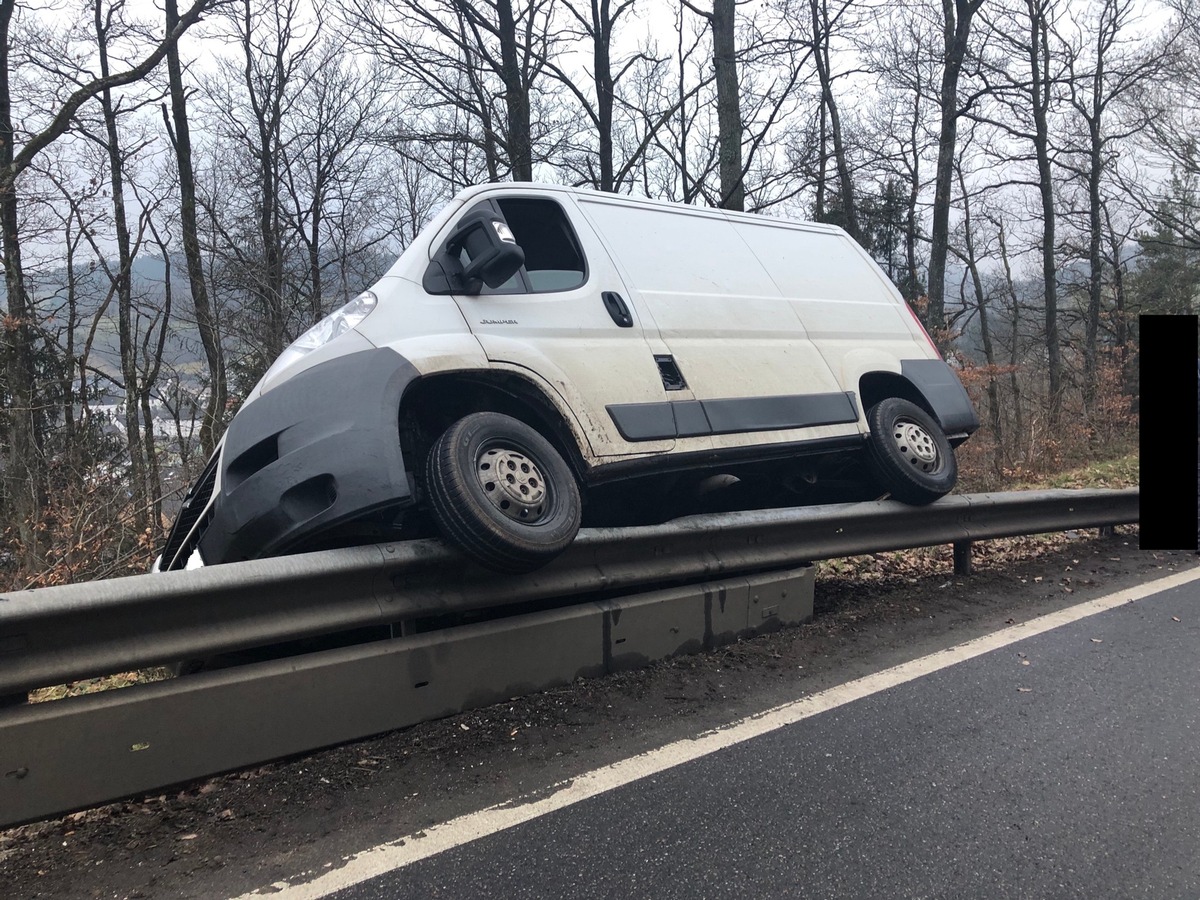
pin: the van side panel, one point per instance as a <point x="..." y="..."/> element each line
<point x="814" y="264"/>
<point x="732" y="333"/>
<point x="846" y="304"/>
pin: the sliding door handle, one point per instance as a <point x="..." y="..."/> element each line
<point x="617" y="309"/>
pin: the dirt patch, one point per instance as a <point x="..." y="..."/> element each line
<point x="246" y="830"/>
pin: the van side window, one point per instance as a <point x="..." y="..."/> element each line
<point x="553" y="259"/>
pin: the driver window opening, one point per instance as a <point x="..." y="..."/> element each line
<point x="553" y="260"/>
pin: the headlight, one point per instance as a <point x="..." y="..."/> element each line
<point x="337" y="322"/>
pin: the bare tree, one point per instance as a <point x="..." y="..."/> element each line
<point x="683" y="153"/>
<point x="328" y="159"/>
<point x="1028" y="94"/>
<point x="252" y="95"/>
<point x="824" y="23"/>
<point x="597" y="24"/>
<point x="180" y="132"/>
<point x="1100" y="75"/>
<point x="1173" y="124"/>
<point x="24" y="474"/>
<point x="722" y="20"/>
<point x="905" y="54"/>
<point x="109" y="27"/>
<point x="464" y="54"/>
<point x="957" y="17"/>
<point x="971" y="255"/>
<point x="623" y="128"/>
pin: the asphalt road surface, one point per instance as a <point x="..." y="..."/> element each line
<point x="1072" y="776"/>
<point x="1064" y="765"/>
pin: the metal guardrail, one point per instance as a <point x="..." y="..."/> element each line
<point x="80" y="751"/>
<point x="59" y="634"/>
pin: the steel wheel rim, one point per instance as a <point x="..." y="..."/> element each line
<point x="513" y="483"/>
<point x="916" y="446"/>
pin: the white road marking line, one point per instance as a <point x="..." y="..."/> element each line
<point x="448" y="835"/>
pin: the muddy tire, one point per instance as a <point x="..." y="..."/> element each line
<point x="908" y="452"/>
<point x="501" y="493"/>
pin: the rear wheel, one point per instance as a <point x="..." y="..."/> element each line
<point x="909" y="454"/>
<point x="500" y="492"/>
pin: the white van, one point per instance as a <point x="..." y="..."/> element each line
<point x="543" y="356"/>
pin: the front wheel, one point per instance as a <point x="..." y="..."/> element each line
<point x="501" y="493"/>
<point x="908" y="452"/>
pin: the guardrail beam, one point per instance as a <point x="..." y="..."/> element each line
<point x="60" y="634"/>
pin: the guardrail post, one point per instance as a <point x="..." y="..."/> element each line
<point x="962" y="557"/>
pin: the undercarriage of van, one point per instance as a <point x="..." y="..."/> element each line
<point x="807" y="479"/>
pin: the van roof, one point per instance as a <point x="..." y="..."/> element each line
<point x="530" y="187"/>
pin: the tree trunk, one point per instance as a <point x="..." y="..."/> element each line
<point x="729" y="112"/>
<point x="912" y="289"/>
<point x="267" y="103"/>
<point x="153" y="361"/>
<point x="1120" y="322"/>
<point x="1095" y="276"/>
<point x="605" y="89"/>
<point x="821" y="29"/>
<point x="206" y="321"/>
<point x="516" y="96"/>
<point x="1040" y="94"/>
<point x="819" y="204"/>
<point x="127" y="341"/>
<point x="955" y="32"/>
<point x="985" y="331"/>
<point x="23" y="473"/>
<point x="1018" y="428"/>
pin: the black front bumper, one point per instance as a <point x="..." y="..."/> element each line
<point x="318" y="450"/>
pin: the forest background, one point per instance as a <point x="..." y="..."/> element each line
<point x="185" y="191"/>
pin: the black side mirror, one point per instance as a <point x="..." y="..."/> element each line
<point x="494" y="256"/>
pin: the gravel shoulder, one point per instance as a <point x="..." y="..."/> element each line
<point x="247" y="830"/>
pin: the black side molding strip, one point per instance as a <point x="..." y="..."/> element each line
<point x="736" y="415"/>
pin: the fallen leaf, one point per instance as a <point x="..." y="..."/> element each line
<point x="1025" y="690"/>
